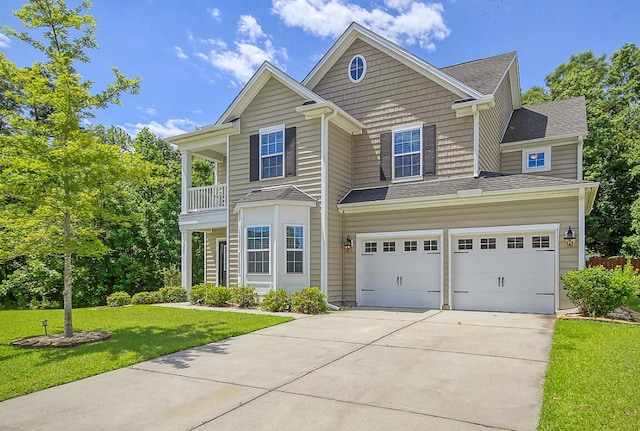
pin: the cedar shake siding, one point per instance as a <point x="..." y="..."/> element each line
<point x="391" y="94"/>
<point x="276" y="104"/>
<point x="542" y="211"/>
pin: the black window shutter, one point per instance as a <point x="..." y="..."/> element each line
<point x="254" y="158"/>
<point x="385" y="156"/>
<point x="429" y="148"/>
<point x="290" y="152"/>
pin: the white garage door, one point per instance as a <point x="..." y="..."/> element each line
<point x="399" y="272"/>
<point x="507" y="272"/>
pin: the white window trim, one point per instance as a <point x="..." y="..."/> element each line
<point x="303" y="250"/>
<point x="364" y="68"/>
<point x="266" y="131"/>
<point x="547" y="160"/>
<point x="247" y="250"/>
<point x="405" y="128"/>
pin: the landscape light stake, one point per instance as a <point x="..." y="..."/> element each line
<point x="44" y="323"/>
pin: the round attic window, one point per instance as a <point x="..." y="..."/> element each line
<point x="357" y="68"/>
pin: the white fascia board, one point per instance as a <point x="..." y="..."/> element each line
<point x="356" y="31"/>
<point x="343" y="119"/>
<point x="465" y="109"/>
<point x="208" y="134"/>
<point x="550" y="227"/>
<point x="255" y="84"/>
<point x="272" y="203"/>
<point x="463" y="199"/>
<point x="400" y="234"/>
<point x="203" y="220"/>
<point x="516" y="91"/>
<point x="550" y="141"/>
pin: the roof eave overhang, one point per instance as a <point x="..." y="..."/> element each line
<point x="476" y="196"/>
<point x="205" y="136"/>
<point x="343" y="119"/>
<point x="548" y="141"/>
<point x="464" y="109"/>
<point x="271" y="203"/>
<point x="356" y="31"/>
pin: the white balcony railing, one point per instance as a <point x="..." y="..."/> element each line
<point x="207" y="198"/>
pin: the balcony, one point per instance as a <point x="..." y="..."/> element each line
<point x="207" y="198"/>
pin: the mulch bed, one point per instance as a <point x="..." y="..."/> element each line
<point x="633" y="316"/>
<point x="59" y="340"/>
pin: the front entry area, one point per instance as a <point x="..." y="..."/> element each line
<point x="496" y="271"/>
<point x="400" y="270"/>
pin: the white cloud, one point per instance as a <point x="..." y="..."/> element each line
<point x="202" y="56"/>
<point x="403" y="21"/>
<point x="216" y="42"/>
<point x="171" y="127"/>
<point x="4" y="41"/>
<point x="249" y="27"/>
<point x="215" y="13"/>
<point x="151" y="112"/>
<point x="246" y="58"/>
<point x="180" y="53"/>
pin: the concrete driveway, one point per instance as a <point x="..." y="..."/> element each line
<point x="348" y="370"/>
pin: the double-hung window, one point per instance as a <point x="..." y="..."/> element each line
<point x="258" y="247"/>
<point x="295" y="249"/>
<point x="407" y="151"/>
<point x="272" y="152"/>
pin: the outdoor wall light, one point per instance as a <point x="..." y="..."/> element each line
<point x="569" y="238"/>
<point x="348" y="244"/>
<point x="44" y="324"/>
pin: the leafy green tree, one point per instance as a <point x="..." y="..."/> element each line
<point x="53" y="170"/>
<point x="611" y="153"/>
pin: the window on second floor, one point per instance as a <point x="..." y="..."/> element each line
<point x="272" y="152"/>
<point x="407" y="152"/>
<point x="536" y="160"/>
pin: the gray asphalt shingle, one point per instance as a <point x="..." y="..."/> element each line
<point x="483" y="74"/>
<point x="283" y="193"/>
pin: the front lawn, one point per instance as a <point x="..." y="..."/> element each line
<point x="593" y="379"/>
<point x="139" y="333"/>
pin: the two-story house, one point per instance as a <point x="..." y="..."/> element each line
<point x="387" y="181"/>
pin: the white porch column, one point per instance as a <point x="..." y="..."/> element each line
<point x="186" y="261"/>
<point x="186" y="180"/>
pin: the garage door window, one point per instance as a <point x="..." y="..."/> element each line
<point x="411" y="246"/>
<point x="431" y="245"/>
<point x="465" y="244"/>
<point x="540" y="241"/>
<point x="487" y="243"/>
<point x="515" y="242"/>
<point x="389" y="246"/>
<point x="370" y="247"/>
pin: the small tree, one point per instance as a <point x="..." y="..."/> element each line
<point x="52" y="169"/>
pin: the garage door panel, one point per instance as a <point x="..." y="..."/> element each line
<point x="500" y="278"/>
<point x="406" y="277"/>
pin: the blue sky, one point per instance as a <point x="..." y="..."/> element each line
<point x="193" y="56"/>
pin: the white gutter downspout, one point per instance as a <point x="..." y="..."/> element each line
<point x="324" y="208"/>
<point x="476" y="141"/>
<point x="581" y="230"/>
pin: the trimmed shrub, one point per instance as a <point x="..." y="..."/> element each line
<point x="172" y="294"/>
<point x="217" y="296"/>
<point x="277" y="301"/>
<point x="198" y="292"/>
<point x="598" y="290"/>
<point x="146" y="298"/>
<point x="118" y="299"/>
<point x="308" y="301"/>
<point x="244" y="296"/>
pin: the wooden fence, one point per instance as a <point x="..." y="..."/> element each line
<point x="612" y="262"/>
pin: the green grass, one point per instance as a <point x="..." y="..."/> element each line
<point x="634" y="304"/>
<point x="593" y="379"/>
<point x="139" y="333"/>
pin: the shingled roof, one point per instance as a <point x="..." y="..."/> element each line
<point x="281" y="193"/>
<point x="486" y="182"/>
<point x="553" y="119"/>
<point x="482" y="75"/>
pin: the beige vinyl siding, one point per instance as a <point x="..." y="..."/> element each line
<point x="493" y="123"/>
<point x="211" y="247"/>
<point x="275" y="104"/>
<point x="339" y="170"/>
<point x="221" y="172"/>
<point x="392" y="94"/>
<point x="564" y="162"/>
<point x="557" y="210"/>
